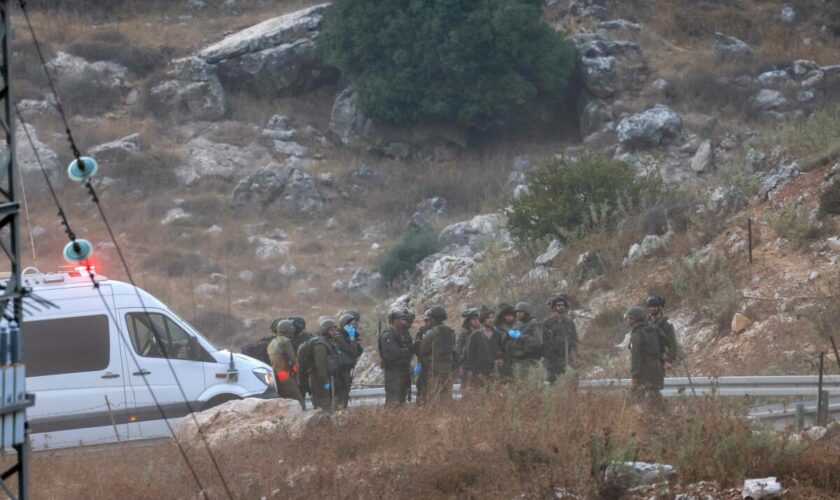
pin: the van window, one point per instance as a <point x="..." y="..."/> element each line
<point x="66" y="345"/>
<point x="174" y="341"/>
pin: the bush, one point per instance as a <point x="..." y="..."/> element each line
<point x="710" y="285"/>
<point x="447" y="60"/>
<point x="415" y="245"/>
<point x="567" y="199"/>
<point x="794" y="224"/>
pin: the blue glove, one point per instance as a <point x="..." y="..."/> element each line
<point x="351" y="331"/>
<point x="417" y="369"/>
<point x="514" y="334"/>
<point x="327" y="386"/>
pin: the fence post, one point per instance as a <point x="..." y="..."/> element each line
<point x="749" y="237"/>
<point x="800" y="417"/>
<point x="822" y="397"/>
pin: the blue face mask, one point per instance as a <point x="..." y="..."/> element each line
<point x="514" y="334"/>
<point x="351" y="330"/>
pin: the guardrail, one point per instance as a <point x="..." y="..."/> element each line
<point x="796" y="386"/>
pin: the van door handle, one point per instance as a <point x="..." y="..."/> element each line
<point x="142" y="371"/>
<point x="111" y="375"/>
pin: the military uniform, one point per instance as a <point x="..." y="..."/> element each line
<point x="422" y="376"/>
<point x="396" y="350"/>
<point x="284" y="363"/>
<point x="461" y="343"/>
<point x="525" y="351"/>
<point x="669" y="338"/>
<point x="323" y="354"/>
<point x="483" y="355"/>
<point x="560" y="339"/>
<point x="346" y="354"/>
<point x="646" y="361"/>
<point x="437" y="352"/>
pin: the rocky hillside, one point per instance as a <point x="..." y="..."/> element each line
<point x="235" y="163"/>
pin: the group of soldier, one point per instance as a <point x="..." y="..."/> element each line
<point x="492" y="346"/>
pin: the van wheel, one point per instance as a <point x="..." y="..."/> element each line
<point x="217" y="400"/>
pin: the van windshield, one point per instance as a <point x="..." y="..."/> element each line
<point x="194" y="329"/>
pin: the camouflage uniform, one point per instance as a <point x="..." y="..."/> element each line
<point x="437" y="353"/>
<point x="422" y="375"/>
<point x="646" y="361"/>
<point x="396" y="350"/>
<point x="507" y="349"/>
<point x="285" y="364"/>
<point x="323" y="371"/>
<point x="560" y="337"/>
<point x="671" y="347"/>
<point x="525" y="351"/>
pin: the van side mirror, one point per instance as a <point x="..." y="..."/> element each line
<point x="194" y="348"/>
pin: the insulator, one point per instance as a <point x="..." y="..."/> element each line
<point x="78" y="251"/>
<point x="83" y="172"/>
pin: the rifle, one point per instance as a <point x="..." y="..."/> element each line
<point x="687" y="374"/>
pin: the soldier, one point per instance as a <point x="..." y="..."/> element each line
<point x="437" y="353"/>
<point x="526" y="340"/>
<point x="349" y="348"/>
<point x="421" y="376"/>
<point x="284" y="362"/>
<point x="468" y="325"/>
<point x="645" y="356"/>
<point x="560" y="342"/>
<point x="505" y="319"/>
<point x="320" y="356"/>
<point x="298" y="339"/>
<point x="396" y="350"/>
<point x="484" y="350"/>
<point x="655" y="304"/>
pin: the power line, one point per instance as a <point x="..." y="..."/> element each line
<point x="92" y="192"/>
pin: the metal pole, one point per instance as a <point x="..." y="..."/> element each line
<point x="821" y="395"/>
<point x="834" y="346"/>
<point x="749" y="237"/>
<point x="800" y="417"/>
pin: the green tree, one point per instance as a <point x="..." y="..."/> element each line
<point x="567" y="198"/>
<point x="465" y="61"/>
<point x="416" y="243"/>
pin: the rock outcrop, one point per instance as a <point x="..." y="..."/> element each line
<point x="193" y="92"/>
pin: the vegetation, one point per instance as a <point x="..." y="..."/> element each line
<point x="456" y="61"/>
<point x="792" y="223"/>
<point x="567" y="199"/>
<point x="415" y="244"/>
<point x="709" y="284"/>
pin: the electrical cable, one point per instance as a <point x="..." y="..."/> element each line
<point x="95" y="199"/>
<point x="66" y="225"/>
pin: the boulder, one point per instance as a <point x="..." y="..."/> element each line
<point x="619" y="24"/>
<point x="777" y="179"/>
<point x="447" y="274"/>
<point x="103" y="81"/>
<point x="599" y="75"/>
<point x="767" y="487"/>
<point x="740" y="323"/>
<point x="194" y="92"/>
<point x="27" y="161"/>
<point x="802" y="67"/>
<point x="816" y="433"/>
<point x="728" y="201"/>
<point x="269" y="248"/>
<point x="478" y="232"/>
<point x="293" y="189"/>
<point x="589" y="266"/>
<point x="703" y="160"/>
<point x="650" y="128"/>
<point x="813" y="79"/>
<point x="788" y="14"/>
<point x="205" y="158"/>
<point x="239" y="421"/>
<point x="634" y="474"/>
<point x="594" y="116"/>
<point x="36" y="108"/>
<point x="555" y="248"/>
<point x="301" y="195"/>
<point x="279" y="127"/>
<point x="432" y="207"/>
<point x="348" y="122"/>
<point x="767" y="100"/>
<point x="175" y="214"/>
<point x="649" y="244"/>
<point x="833" y="243"/>
<point x="776" y="79"/>
<point x="116" y="151"/>
<point x="365" y="286"/>
<point x="729" y="48"/>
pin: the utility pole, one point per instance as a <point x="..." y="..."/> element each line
<point x="14" y="431"/>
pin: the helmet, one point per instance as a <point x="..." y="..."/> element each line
<point x="326" y="324"/>
<point x="484" y="312"/>
<point x="469" y="312"/>
<point x="636" y="313"/>
<point x="558" y="299"/>
<point x="351" y="312"/>
<point x="410" y="315"/>
<point x="655" y="301"/>
<point x="283" y="327"/>
<point x="298" y="322"/>
<point x="505" y="309"/>
<point x="523" y="306"/>
<point x="437" y="313"/>
<point x="427" y="314"/>
<point x="397" y="313"/>
<point x="345" y="319"/>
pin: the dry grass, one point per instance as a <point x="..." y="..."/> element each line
<point x="511" y="442"/>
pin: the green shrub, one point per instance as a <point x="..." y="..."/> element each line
<point x="415" y="244"/>
<point x="464" y="61"/>
<point x="794" y="225"/>
<point x="567" y="199"/>
<point x="710" y="285"/>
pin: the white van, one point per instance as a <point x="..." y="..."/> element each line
<point x="86" y="363"/>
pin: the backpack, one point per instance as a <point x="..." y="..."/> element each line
<point x="306" y="356"/>
<point x="650" y="344"/>
<point x="258" y="349"/>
